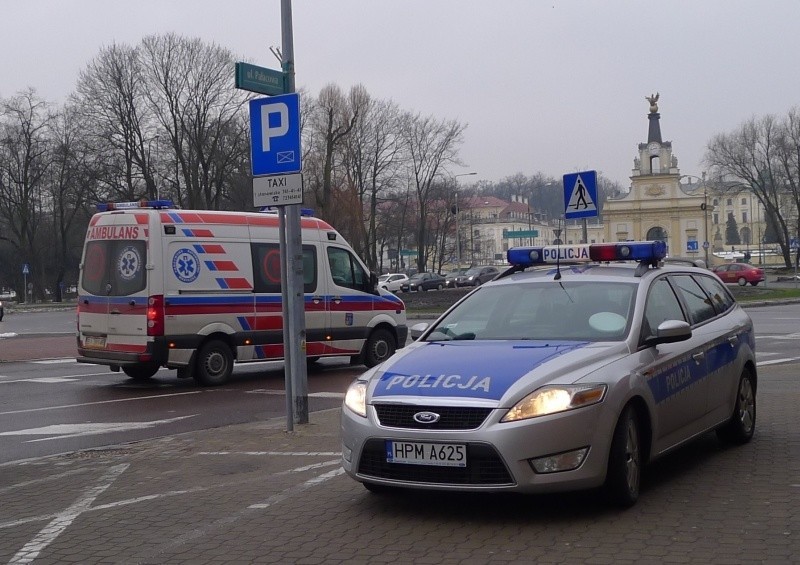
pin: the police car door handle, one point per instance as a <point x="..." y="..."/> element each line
<point x="733" y="340"/>
<point x="699" y="357"/>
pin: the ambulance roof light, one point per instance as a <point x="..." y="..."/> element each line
<point x="649" y="252"/>
<point x="154" y="204"/>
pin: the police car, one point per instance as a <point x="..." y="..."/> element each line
<point x="571" y="370"/>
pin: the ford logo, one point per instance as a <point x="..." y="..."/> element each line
<point x="426" y="417"/>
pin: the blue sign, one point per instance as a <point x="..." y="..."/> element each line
<point x="26" y="269"/>
<point x="580" y="195"/>
<point x="793" y="243"/>
<point x="275" y="135"/>
<point x="692" y="245"/>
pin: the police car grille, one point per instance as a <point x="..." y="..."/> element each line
<point x="450" y="417"/>
<point x="484" y="467"/>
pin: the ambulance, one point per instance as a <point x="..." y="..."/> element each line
<point x="198" y="290"/>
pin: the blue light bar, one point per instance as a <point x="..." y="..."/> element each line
<point x="647" y="251"/>
<point x="154" y="204"/>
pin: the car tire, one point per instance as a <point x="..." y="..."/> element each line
<point x="141" y="373"/>
<point x="742" y="281"/>
<point x="741" y="426"/>
<point x="379" y="347"/>
<point x="755" y="283"/>
<point x="624" y="474"/>
<point x="214" y="364"/>
<point x="439" y="286"/>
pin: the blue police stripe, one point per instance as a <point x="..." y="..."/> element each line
<point x="467" y="369"/>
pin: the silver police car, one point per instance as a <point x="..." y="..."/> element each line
<point x="571" y="370"/>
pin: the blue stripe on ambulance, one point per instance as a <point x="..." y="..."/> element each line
<point x="467" y="369"/>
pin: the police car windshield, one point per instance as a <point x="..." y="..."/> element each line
<point x="546" y="310"/>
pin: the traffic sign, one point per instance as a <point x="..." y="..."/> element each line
<point x="793" y="243"/>
<point x="275" y="135"/>
<point x="580" y="195"/>
<point x="520" y="234"/>
<point x="26" y="270"/>
<point x="260" y="79"/>
<point x="278" y="190"/>
<point x="692" y="245"/>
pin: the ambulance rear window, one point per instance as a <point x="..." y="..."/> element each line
<point x="114" y="267"/>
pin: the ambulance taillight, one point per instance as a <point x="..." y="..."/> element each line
<point x="155" y="315"/>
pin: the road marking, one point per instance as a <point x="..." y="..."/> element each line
<point x="62" y="521"/>
<point x="61" y="431"/>
<point x="44" y="480"/>
<point x="281" y="496"/>
<point x="776" y="361"/>
<point x="275" y="392"/>
<point x="44" y="408"/>
<point x="55" y="361"/>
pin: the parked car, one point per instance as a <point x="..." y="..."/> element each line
<point x="476" y="276"/>
<point x="450" y="278"/>
<point x="423" y="281"/>
<point x="558" y="378"/>
<point x="392" y="281"/>
<point x="740" y="273"/>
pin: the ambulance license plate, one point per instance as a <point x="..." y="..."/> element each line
<point x="437" y="454"/>
<point x="95" y="341"/>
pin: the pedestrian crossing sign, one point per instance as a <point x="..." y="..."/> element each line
<point x="580" y="195"/>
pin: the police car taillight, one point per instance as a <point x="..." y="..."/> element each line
<point x="154" y="204"/>
<point x="155" y="315"/>
<point x="646" y="251"/>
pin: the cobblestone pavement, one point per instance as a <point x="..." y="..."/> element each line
<point x="256" y="494"/>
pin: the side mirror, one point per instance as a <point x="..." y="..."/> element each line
<point x="671" y="331"/>
<point x="417" y="330"/>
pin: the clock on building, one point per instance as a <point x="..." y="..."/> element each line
<point x="654" y="147"/>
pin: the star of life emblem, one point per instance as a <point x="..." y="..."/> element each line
<point x="185" y="265"/>
<point x="129" y="263"/>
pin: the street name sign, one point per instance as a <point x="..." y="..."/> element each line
<point x="520" y="234"/>
<point x="275" y="135"/>
<point x="260" y="79"/>
<point x="278" y="190"/>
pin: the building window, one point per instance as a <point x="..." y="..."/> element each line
<point x="716" y="218"/>
<point x="744" y="217"/>
<point x="730" y="201"/>
<point x="716" y="202"/>
<point x="744" y="201"/>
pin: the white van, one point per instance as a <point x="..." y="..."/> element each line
<point x="196" y="290"/>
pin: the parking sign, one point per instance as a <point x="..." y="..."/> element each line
<point x="275" y="135"/>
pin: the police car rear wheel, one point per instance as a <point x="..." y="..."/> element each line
<point x="214" y="364"/>
<point x="380" y="346"/>
<point x="140" y="372"/>
<point x="742" y="424"/>
<point x="625" y="461"/>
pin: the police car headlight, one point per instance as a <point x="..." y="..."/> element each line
<point x="553" y="399"/>
<point x="356" y="398"/>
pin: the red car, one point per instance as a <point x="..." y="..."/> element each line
<point x="741" y="273"/>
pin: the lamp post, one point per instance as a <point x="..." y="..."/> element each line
<point x="458" y="237"/>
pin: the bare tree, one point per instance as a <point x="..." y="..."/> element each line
<point x="25" y="156"/>
<point x="111" y="97"/>
<point x="762" y="157"/>
<point x="332" y="118"/>
<point x="371" y="158"/>
<point x="431" y="146"/>
<point x="189" y="87"/>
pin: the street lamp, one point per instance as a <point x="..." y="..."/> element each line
<point x="458" y="238"/>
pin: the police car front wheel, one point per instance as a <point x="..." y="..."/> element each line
<point x="625" y="460"/>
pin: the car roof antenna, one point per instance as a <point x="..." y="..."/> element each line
<point x="557" y="231"/>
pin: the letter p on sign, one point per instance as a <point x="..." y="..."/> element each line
<point x="281" y="111"/>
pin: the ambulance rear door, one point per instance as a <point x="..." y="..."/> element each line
<point x="114" y="286"/>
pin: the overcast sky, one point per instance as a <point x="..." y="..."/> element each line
<point x="551" y="87"/>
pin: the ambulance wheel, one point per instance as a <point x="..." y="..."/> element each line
<point x="141" y="372"/>
<point x="380" y="346"/>
<point x="214" y="363"/>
